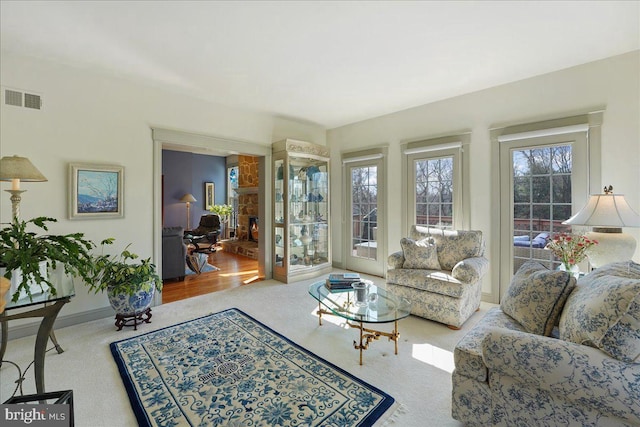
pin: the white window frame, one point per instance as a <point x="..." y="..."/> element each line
<point x="504" y="139"/>
<point x="432" y="149"/>
<point x="366" y="157"/>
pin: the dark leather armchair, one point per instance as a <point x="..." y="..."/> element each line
<point x="205" y="237"/>
<point x="174" y="253"/>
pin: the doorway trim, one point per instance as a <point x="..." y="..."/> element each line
<point x="217" y="146"/>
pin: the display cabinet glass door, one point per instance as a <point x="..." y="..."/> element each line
<point x="300" y="210"/>
<point x="279" y="214"/>
<point x="308" y="225"/>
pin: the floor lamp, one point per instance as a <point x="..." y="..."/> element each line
<point x="16" y="169"/>
<point x="188" y="199"/>
<point x="607" y="213"/>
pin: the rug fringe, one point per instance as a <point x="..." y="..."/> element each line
<point x="394" y="415"/>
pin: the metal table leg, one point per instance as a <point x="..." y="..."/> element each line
<point x="44" y="332"/>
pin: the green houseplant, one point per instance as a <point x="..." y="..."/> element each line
<point x="24" y="252"/>
<point x="222" y="210"/>
<point x="130" y="284"/>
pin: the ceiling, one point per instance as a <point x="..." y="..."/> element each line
<point x="329" y="63"/>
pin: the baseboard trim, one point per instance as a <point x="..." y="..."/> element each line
<point x="61" y="322"/>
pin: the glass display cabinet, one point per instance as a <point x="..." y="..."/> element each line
<point x="300" y="210"/>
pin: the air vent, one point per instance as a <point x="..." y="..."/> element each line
<point x="12" y="97"/>
<point x="20" y="98"/>
<point x="32" y="101"/>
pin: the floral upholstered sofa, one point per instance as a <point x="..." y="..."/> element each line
<point x="511" y="370"/>
<point x="440" y="272"/>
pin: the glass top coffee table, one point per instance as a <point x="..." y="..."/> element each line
<point x="383" y="307"/>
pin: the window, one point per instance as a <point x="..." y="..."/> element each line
<point x="434" y="192"/>
<point x="542" y="194"/>
<point x="365" y="236"/>
<point x="436" y="188"/>
<point x="545" y="173"/>
<point x="364" y="208"/>
<point x="232" y="198"/>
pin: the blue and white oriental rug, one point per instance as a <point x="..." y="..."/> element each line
<point x="228" y="369"/>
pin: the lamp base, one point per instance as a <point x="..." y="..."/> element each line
<point x="15" y="203"/>
<point x="613" y="246"/>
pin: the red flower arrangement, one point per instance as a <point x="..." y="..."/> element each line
<point x="570" y="249"/>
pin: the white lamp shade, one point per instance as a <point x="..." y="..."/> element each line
<point x="16" y="167"/>
<point x="608" y="213"/>
<point x="606" y="210"/>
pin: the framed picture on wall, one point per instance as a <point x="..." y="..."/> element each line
<point x="96" y="191"/>
<point x="209" y="194"/>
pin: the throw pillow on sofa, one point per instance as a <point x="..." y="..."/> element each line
<point x="421" y="254"/>
<point x="604" y="311"/>
<point x="536" y="296"/>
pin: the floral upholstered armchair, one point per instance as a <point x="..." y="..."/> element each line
<point x="440" y="272"/>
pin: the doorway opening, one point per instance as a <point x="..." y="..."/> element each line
<point x="232" y="268"/>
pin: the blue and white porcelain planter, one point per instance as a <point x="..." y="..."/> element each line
<point x="127" y="305"/>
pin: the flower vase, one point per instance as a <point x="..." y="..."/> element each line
<point x="572" y="268"/>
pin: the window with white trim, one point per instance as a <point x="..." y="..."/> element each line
<point x="545" y="172"/>
<point x="436" y="191"/>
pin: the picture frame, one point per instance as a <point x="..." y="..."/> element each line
<point x="209" y="194"/>
<point x="96" y="191"/>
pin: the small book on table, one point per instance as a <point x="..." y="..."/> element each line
<point x="344" y="277"/>
<point x="342" y="281"/>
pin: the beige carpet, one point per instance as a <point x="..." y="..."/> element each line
<point x="419" y="377"/>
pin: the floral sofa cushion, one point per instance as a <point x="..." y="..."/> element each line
<point x="536" y="296"/>
<point x="604" y="311"/>
<point x="420" y="254"/>
<point x="453" y="245"/>
<point x="436" y="281"/>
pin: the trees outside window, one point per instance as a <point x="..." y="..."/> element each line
<point x="541" y="189"/>
<point x="434" y="192"/>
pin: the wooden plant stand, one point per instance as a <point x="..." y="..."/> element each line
<point x="133" y="319"/>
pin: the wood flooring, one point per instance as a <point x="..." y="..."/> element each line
<point x="235" y="270"/>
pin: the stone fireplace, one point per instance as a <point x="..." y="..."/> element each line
<point x="254" y="228"/>
<point x="248" y="180"/>
<point x="247" y="190"/>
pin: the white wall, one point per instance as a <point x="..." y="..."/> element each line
<point x="97" y="118"/>
<point x="613" y="84"/>
<point x="91" y="117"/>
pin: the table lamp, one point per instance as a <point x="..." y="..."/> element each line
<point x="188" y="199"/>
<point x="16" y="169"/>
<point x="607" y="213"/>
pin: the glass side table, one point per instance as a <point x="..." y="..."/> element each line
<point x="45" y="305"/>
